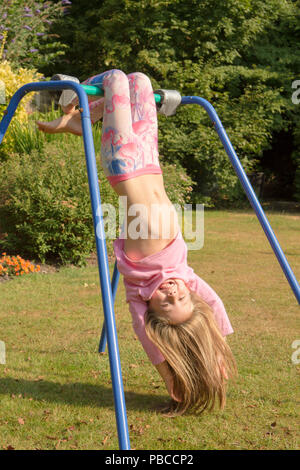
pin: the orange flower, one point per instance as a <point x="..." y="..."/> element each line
<point x="15" y="265"/>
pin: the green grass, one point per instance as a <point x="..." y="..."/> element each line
<point x="55" y="389"/>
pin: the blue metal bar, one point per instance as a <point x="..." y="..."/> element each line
<point x="103" y="267"/>
<point x="248" y="190"/>
<point x="114" y="286"/>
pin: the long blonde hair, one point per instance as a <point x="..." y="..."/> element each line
<point x="197" y="354"/>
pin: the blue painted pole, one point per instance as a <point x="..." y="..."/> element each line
<point x="248" y="190"/>
<point x="103" y="266"/>
<point x="114" y="286"/>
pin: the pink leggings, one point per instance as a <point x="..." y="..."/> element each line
<point x="129" y="132"/>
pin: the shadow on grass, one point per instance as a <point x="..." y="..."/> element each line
<point x="82" y="394"/>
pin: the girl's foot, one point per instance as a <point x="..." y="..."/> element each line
<point x="67" y="123"/>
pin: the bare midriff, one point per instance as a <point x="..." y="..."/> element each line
<point x="157" y="215"/>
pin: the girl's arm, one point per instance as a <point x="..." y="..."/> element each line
<point x="166" y="374"/>
<point x="138" y="310"/>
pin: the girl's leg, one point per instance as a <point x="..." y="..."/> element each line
<point x="144" y="116"/>
<point x="129" y="135"/>
<point x="96" y="110"/>
<point x="118" y="146"/>
<point x="129" y="131"/>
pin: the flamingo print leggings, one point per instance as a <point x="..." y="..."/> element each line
<point x="129" y="132"/>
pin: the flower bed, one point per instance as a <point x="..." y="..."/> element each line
<point x="16" y="266"/>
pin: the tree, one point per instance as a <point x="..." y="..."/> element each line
<point x="237" y="55"/>
<point x="24" y="32"/>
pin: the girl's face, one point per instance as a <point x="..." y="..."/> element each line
<point x="173" y="300"/>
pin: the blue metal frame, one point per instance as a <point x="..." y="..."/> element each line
<point x="248" y="190"/>
<point x="103" y="266"/>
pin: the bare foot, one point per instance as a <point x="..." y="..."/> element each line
<point x="67" y="123"/>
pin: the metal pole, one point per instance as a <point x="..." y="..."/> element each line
<point x="114" y="286"/>
<point x="248" y="190"/>
<point x="103" y="267"/>
<point x="97" y="90"/>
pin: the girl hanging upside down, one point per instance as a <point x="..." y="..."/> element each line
<point x="177" y="316"/>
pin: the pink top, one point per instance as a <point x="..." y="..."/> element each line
<point x="143" y="277"/>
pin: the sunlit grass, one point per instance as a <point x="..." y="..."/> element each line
<point x="55" y="389"/>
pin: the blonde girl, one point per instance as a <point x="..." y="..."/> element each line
<point x="177" y="316"/>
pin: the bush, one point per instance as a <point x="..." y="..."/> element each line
<point x="240" y="56"/>
<point x="24" y="31"/>
<point x="178" y="184"/>
<point x="13" y="80"/>
<point x="45" y="208"/>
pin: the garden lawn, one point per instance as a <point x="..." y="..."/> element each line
<point x="55" y="389"/>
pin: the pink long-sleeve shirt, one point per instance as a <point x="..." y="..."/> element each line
<point x="143" y="277"/>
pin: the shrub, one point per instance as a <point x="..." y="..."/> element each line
<point x="44" y="204"/>
<point x="45" y="209"/>
<point x="238" y="55"/>
<point x="178" y="184"/>
<point x="25" y="30"/>
<point x="13" y="80"/>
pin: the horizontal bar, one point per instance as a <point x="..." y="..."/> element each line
<point x="94" y="90"/>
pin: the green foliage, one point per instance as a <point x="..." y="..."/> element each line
<point x="45" y="208"/>
<point x="178" y="184"/>
<point x="13" y="79"/>
<point x="42" y="213"/>
<point x="44" y="203"/>
<point x="28" y="41"/>
<point x="240" y="56"/>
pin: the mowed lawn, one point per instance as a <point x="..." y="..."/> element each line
<point x="55" y="389"/>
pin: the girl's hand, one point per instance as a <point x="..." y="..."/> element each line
<point x="166" y="374"/>
<point x="222" y="368"/>
<point x="170" y="387"/>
